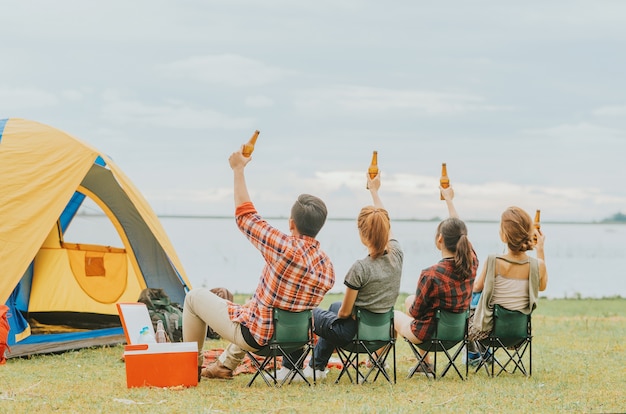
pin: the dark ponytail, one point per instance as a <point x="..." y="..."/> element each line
<point x="454" y="233"/>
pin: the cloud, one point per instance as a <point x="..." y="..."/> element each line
<point x="172" y="114"/>
<point x="615" y="110"/>
<point x="73" y="95"/>
<point x="12" y="99"/>
<point x="581" y="132"/>
<point x="365" y="99"/>
<point x="259" y="101"/>
<point x="416" y="196"/>
<point x="227" y="70"/>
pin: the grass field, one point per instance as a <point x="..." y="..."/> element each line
<point x="579" y="355"/>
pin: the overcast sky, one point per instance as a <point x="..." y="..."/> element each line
<point x="525" y="101"/>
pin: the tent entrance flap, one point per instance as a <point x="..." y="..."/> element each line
<point x="100" y="271"/>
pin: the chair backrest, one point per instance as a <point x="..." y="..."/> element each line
<point x="451" y="327"/>
<point x="374" y="326"/>
<point x="292" y="327"/>
<point x="510" y="326"/>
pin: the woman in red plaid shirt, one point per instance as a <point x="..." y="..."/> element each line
<point x="446" y="285"/>
<point x="296" y="276"/>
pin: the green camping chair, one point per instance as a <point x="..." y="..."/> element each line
<point x="375" y="336"/>
<point x="450" y="331"/>
<point x="511" y="333"/>
<point x="292" y="331"/>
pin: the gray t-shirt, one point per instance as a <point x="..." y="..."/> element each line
<point x="377" y="280"/>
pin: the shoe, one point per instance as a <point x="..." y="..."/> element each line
<point x="369" y="364"/>
<point x="488" y="357"/>
<point x="319" y="374"/>
<point x="283" y="373"/>
<point x="473" y="359"/>
<point x="427" y="369"/>
<point x="217" y="370"/>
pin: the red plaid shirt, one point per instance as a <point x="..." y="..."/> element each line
<point x="296" y="276"/>
<point x="439" y="287"/>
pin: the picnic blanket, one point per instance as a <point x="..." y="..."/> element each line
<point x="246" y="366"/>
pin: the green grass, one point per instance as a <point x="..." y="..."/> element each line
<point x="578" y="365"/>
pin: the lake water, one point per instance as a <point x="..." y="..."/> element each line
<point x="587" y="260"/>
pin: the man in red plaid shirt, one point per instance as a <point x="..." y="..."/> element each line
<point x="296" y="276"/>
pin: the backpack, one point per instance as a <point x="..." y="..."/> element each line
<point x="161" y="308"/>
<point x="4" y="332"/>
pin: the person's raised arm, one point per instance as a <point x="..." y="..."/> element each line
<point x="373" y="184"/>
<point x="448" y="196"/>
<point x="541" y="256"/>
<point x="238" y="164"/>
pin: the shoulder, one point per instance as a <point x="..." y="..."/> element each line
<point x="429" y="272"/>
<point x="360" y="265"/>
<point x="394" y="248"/>
<point x="394" y="244"/>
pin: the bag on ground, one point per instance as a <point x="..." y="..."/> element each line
<point x="161" y="308"/>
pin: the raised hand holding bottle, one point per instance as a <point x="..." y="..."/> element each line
<point x="373" y="168"/>
<point x="248" y="147"/>
<point x="444" y="181"/>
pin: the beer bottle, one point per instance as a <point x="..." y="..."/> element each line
<point x="537" y="223"/>
<point x="444" y="181"/>
<point x="161" y="336"/>
<point x="248" y="147"/>
<point x="373" y="169"/>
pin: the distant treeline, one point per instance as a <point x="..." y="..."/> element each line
<point x="616" y="218"/>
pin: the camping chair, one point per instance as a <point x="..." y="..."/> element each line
<point x="375" y="336"/>
<point x="450" y="330"/>
<point x="292" y="331"/>
<point x="512" y="333"/>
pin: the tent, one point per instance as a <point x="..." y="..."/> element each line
<point x="63" y="295"/>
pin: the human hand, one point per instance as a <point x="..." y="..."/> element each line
<point x="373" y="184"/>
<point x="540" y="237"/>
<point x="447" y="193"/>
<point x="237" y="160"/>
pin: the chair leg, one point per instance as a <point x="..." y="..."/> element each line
<point x="261" y="369"/>
<point x="379" y="358"/>
<point x="394" y="362"/>
<point x="485" y="350"/>
<point x="421" y="359"/>
<point x="451" y="359"/>
<point x="466" y="346"/>
<point x="296" y="364"/>
<point x="346" y="359"/>
<point x="516" y="357"/>
<point x="530" y="357"/>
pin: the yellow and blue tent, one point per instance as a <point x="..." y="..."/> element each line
<point x="62" y="295"/>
